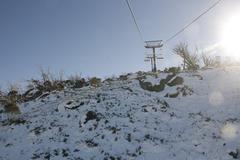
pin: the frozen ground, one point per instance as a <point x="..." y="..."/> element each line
<point x="120" y="120"/>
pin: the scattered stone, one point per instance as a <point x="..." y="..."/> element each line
<point x="198" y="76"/>
<point x="38" y="130"/>
<point x="90" y="143"/>
<point x="185" y="90"/>
<point x="91" y="115"/>
<point x="235" y="155"/>
<point x="129" y="139"/>
<point x="13" y="121"/>
<point x="172" y="95"/>
<point x="70" y="102"/>
<point x="65" y="153"/>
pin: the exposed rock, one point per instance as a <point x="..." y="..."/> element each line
<point x="198" y="76"/>
<point x="91" y="143"/>
<point x="153" y="88"/>
<point x="172" y="95"/>
<point x="169" y="77"/>
<point x="235" y="155"/>
<point x="31" y="95"/>
<point x="91" y="115"/>
<point x="176" y="81"/>
<point x="185" y="90"/>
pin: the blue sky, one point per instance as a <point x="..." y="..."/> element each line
<point x="97" y="37"/>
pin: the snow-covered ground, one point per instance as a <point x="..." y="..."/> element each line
<point x="120" y="120"/>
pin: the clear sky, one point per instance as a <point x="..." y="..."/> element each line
<point x="97" y="37"/>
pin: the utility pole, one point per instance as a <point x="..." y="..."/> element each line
<point x="153" y="57"/>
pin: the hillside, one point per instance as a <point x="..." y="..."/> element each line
<point x="129" y="118"/>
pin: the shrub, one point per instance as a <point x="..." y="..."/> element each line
<point x="75" y="77"/>
<point x="10" y="100"/>
<point x="12" y="108"/>
<point x="210" y="61"/>
<point x="123" y="77"/>
<point x="174" y="70"/>
<point x="45" y="86"/>
<point x="190" y="61"/>
<point x="79" y="83"/>
<point x="95" y="82"/>
<point x="47" y="83"/>
<point x="76" y="81"/>
<point x="48" y="76"/>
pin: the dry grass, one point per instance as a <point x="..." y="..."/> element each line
<point x="12" y="108"/>
<point x="95" y="82"/>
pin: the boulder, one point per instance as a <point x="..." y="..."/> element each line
<point x="175" y="81"/>
<point x="153" y="88"/>
<point x="172" y="95"/>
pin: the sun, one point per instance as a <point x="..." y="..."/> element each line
<point x="230" y="36"/>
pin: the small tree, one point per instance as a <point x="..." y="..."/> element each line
<point x="190" y="61"/>
<point x="209" y="61"/>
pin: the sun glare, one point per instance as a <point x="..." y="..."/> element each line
<point x="231" y="36"/>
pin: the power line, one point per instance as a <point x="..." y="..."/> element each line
<point x="193" y="21"/>
<point x="134" y="19"/>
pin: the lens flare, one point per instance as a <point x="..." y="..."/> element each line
<point x="230" y="36"/>
<point x="229" y="131"/>
<point x="216" y="98"/>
